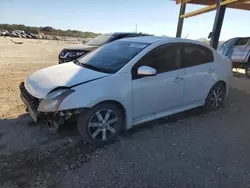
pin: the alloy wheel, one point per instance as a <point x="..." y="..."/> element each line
<point x="217" y="97"/>
<point x="101" y="125"/>
<point x="248" y="71"/>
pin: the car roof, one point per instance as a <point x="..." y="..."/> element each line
<point x="154" y="39"/>
<point x="127" y="33"/>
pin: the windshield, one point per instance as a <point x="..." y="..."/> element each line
<point x="112" y="57"/>
<point x="99" y="41"/>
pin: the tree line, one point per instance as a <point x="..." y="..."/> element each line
<point x="48" y="30"/>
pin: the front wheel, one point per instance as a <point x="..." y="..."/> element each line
<point x="215" y="97"/>
<point x="101" y="124"/>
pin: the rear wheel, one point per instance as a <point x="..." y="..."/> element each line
<point x="215" y="97"/>
<point x="247" y="71"/>
<point x="101" y="124"/>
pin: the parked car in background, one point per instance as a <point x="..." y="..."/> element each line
<point x="74" y="52"/>
<point x="3" y="32"/>
<point x="127" y="82"/>
<point x="238" y="50"/>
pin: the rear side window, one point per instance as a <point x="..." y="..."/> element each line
<point x="242" y="41"/>
<point x="194" y="54"/>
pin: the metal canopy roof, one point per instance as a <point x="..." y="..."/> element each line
<point x="211" y="5"/>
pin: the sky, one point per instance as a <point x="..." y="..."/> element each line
<point x="157" y="17"/>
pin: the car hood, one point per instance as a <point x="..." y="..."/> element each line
<point x="40" y="83"/>
<point x="81" y="47"/>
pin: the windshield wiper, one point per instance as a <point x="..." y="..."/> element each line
<point x="85" y="65"/>
<point x="77" y="62"/>
<point x="89" y="66"/>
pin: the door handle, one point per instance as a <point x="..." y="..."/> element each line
<point x="210" y="71"/>
<point x="177" y="79"/>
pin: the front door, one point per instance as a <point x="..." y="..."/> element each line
<point x="162" y="92"/>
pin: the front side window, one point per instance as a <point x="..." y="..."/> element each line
<point x="163" y="58"/>
<point x="194" y="54"/>
<point x="112" y="57"/>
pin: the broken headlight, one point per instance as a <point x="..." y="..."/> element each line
<point x="52" y="101"/>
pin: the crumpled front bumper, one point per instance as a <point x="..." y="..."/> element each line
<point x="32" y="104"/>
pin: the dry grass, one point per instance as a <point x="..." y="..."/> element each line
<point x="17" y="61"/>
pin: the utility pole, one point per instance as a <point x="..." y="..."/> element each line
<point x="136" y="28"/>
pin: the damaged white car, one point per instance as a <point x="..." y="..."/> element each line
<point x="125" y="83"/>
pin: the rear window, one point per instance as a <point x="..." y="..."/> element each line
<point x="227" y="43"/>
<point x="100" y="40"/>
<point x="242" y="41"/>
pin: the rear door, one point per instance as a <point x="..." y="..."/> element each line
<point x="246" y="52"/>
<point x="240" y="50"/>
<point x="198" y="63"/>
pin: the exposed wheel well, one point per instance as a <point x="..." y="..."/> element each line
<point x="117" y="104"/>
<point x="222" y="82"/>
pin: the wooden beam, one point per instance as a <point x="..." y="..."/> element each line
<point x="209" y="8"/>
<point x="184" y="1"/>
<point x="242" y="6"/>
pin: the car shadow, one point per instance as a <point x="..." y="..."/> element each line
<point x="19" y="134"/>
<point x="163" y="121"/>
<point x="16" y="134"/>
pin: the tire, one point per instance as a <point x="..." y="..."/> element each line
<point x="214" y="102"/>
<point x="247" y="71"/>
<point x="93" y="124"/>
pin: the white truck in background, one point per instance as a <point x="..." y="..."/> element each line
<point x="238" y="50"/>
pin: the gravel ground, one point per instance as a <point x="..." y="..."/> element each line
<point x="198" y="150"/>
<point x="207" y="150"/>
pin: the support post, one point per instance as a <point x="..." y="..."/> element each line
<point x="218" y="21"/>
<point x="180" y="21"/>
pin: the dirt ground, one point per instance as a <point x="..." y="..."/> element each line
<point x="197" y="150"/>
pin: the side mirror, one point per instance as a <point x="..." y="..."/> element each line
<point x="146" y="71"/>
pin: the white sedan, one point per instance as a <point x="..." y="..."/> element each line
<point x="127" y="82"/>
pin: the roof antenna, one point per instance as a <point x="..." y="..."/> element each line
<point x="186" y="35"/>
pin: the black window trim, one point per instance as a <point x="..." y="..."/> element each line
<point x="242" y="38"/>
<point x="138" y="63"/>
<point x="183" y="44"/>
